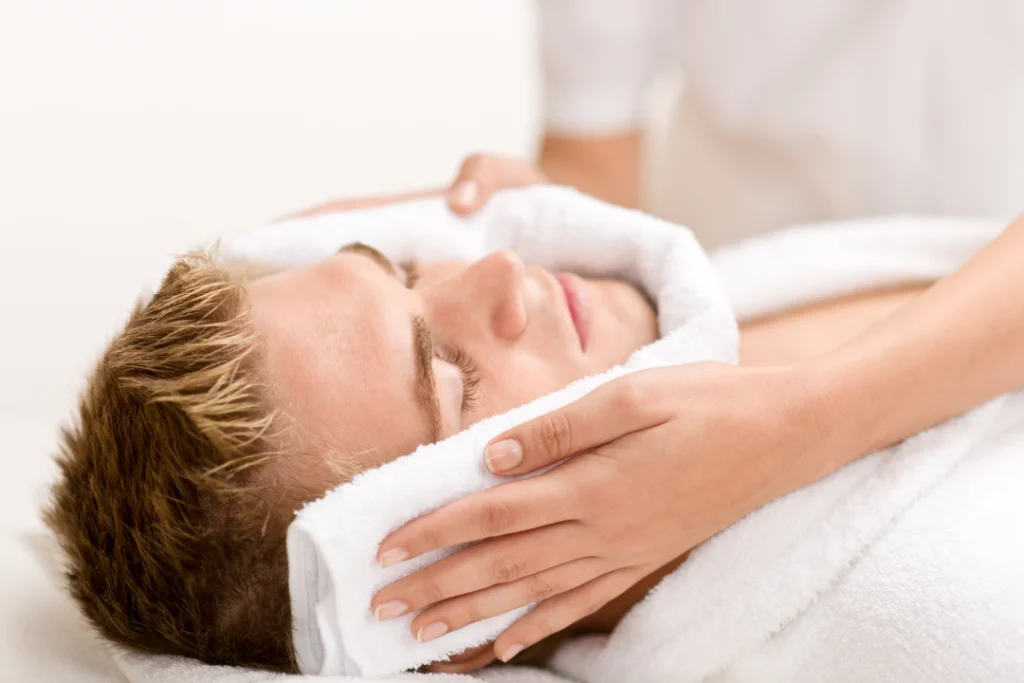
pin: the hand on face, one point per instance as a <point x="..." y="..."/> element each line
<point x="657" y="462"/>
<point x="482" y="175"/>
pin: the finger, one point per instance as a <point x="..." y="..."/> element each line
<point x="473" y="186"/>
<point x="611" y="411"/>
<point x="562" y="611"/>
<point x="501" y="560"/>
<point x="506" y="509"/>
<point x="462" y="611"/>
<point x="482" y="175"/>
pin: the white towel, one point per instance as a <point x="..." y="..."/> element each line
<point x="332" y="543"/>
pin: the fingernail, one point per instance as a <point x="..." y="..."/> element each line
<point x="393" y="556"/>
<point x="464" y="193"/>
<point x="511" y="652"/>
<point x="390" y="610"/>
<point x="503" y="455"/>
<point x="431" y="631"/>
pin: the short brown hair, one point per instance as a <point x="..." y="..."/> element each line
<point x="173" y="533"/>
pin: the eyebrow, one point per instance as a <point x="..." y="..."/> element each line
<point x="426" y="388"/>
<point x="423" y="346"/>
<point x="369" y="252"/>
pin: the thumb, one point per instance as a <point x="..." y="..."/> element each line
<point x="611" y="411"/>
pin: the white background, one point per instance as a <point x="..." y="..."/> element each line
<point x="131" y="130"/>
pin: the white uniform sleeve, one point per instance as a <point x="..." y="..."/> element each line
<point x="599" y="59"/>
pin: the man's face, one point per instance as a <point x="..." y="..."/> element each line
<point x="371" y="368"/>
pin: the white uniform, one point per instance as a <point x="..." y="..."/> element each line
<point x="803" y="110"/>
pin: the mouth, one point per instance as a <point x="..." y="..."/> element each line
<point x="575" y="291"/>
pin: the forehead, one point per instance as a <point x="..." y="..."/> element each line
<point x="337" y="340"/>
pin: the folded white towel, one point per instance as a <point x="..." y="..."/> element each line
<point x="332" y="543"/>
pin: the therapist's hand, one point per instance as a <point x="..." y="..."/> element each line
<point x="482" y="175"/>
<point x="655" y="463"/>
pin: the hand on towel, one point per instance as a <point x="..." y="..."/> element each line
<point x="657" y="462"/>
<point x="482" y="175"/>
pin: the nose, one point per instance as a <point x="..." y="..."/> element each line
<point x="489" y="294"/>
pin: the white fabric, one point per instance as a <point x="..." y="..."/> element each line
<point x="804" y="110"/>
<point x="928" y="583"/>
<point x="812" y="263"/>
<point x="140" y="668"/>
<point x="332" y="543"/>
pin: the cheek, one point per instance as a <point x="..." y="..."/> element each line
<point x="624" y="322"/>
<point x="515" y="379"/>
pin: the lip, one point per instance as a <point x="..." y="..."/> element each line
<point x="575" y="291"/>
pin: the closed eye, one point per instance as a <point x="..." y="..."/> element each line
<point x="469" y="370"/>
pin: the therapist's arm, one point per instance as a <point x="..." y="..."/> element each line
<point x="352" y="204"/>
<point x="604" y="166"/>
<point x="954" y="347"/>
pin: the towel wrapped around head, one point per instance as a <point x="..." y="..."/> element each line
<point x="332" y="543"/>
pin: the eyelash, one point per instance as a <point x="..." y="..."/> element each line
<point x="469" y="370"/>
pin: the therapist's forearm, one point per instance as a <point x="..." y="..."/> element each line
<point x="957" y="345"/>
<point x="606" y="166"/>
<point x="336" y="205"/>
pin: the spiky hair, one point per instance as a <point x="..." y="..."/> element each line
<point x="170" y="526"/>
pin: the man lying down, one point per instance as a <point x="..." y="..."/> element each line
<point x="234" y="396"/>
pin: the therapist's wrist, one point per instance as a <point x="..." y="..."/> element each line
<point x="834" y="413"/>
<point x="604" y="166"/>
<point x="826" y="437"/>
